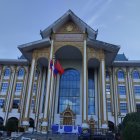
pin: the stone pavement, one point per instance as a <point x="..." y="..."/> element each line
<point x="39" y="136"/>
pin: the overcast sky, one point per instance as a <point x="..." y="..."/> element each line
<point x="118" y="22"/>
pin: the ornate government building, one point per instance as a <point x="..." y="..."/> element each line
<point x="97" y="81"/>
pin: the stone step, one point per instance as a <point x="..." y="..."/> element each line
<point x="49" y="136"/>
<point x="62" y="137"/>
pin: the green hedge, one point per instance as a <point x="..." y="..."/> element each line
<point x="131" y="131"/>
<point x="130" y="127"/>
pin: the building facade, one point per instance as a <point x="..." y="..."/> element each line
<point x="97" y="82"/>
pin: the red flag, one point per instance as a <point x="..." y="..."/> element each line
<point x="59" y="67"/>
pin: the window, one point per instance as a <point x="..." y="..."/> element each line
<point x="33" y="105"/>
<point x="107" y="89"/>
<point x="121" y="90"/>
<point x="120" y="74"/>
<point x="137" y="90"/>
<point x="36" y="74"/>
<point x="15" y="103"/>
<point x="107" y="75"/>
<point x="91" y="93"/>
<point x="34" y="88"/>
<point x="135" y="75"/>
<point x="123" y="107"/>
<point x="69" y="91"/>
<point x="138" y="107"/>
<point x="19" y="87"/>
<point x="4" y="87"/>
<point x="1" y="103"/>
<point x="109" y="106"/>
<point x="21" y="72"/>
<point x="7" y="72"/>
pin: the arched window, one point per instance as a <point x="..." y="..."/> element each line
<point x="21" y="72"/>
<point x="135" y="75"/>
<point x="7" y="72"/>
<point x="36" y="73"/>
<point x="91" y="93"/>
<point x="69" y="91"/>
<point x="120" y="74"/>
<point x="107" y="75"/>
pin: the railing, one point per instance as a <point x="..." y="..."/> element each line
<point x="101" y="131"/>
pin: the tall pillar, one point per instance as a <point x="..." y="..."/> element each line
<point x="29" y="95"/>
<point x="85" y="83"/>
<point x="99" y="100"/>
<point x="23" y="95"/>
<point x="9" y="94"/>
<point x="52" y="102"/>
<point x="103" y="93"/>
<point x="42" y="90"/>
<point x="38" y="97"/>
<point x="131" y="92"/>
<point x="42" y="98"/>
<point x="96" y="92"/>
<point x="50" y="99"/>
<point x="112" y="94"/>
<point x="13" y="91"/>
<point x="44" y="125"/>
<point x="128" y="91"/>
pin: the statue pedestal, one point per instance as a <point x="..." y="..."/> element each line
<point x="44" y="127"/>
<point x="105" y="126"/>
<point x="25" y="124"/>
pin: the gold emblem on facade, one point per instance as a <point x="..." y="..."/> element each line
<point x="69" y="28"/>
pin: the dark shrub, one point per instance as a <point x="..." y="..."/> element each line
<point x="130" y="127"/>
<point x="131" y="131"/>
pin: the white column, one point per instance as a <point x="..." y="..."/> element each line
<point x="99" y="99"/>
<point x="52" y="105"/>
<point x="13" y="91"/>
<point x="42" y="90"/>
<point x="38" y="97"/>
<point x="96" y="92"/>
<point x="9" y="94"/>
<point x="116" y="96"/>
<point x="42" y="96"/>
<point x="85" y="83"/>
<point x="132" y="96"/>
<point x="127" y="91"/>
<point x="104" y="111"/>
<point x="111" y="93"/>
<point x="23" y="94"/>
<point x="57" y="100"/>
<point x="29" y="93"/>
<point x="45" y="116"/>
<point x="50" y="99"/>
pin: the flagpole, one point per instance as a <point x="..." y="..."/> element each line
<point x="51" y="93"/>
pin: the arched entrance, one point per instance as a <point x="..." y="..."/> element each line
<point x="31" y="123"/>
<point x="111" y="126"/>
<point x="69" y="84"/>
<point x="12" y="124"/>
